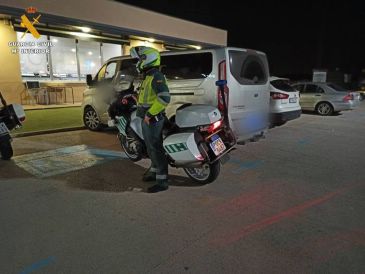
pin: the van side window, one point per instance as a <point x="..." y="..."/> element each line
<point x="110" y="71"/>
<point x="248" y="68"/>
<point x="107" y="72"/>
<point x="187" y="66"/>
<point x="128" y="67"/>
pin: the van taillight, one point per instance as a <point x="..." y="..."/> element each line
<point x="222" y="75"/>
<point x="278" y="95"/>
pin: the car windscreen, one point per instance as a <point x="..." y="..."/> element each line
<point x="282" y="85"/>
<point x="248" y="68"/>
<point x="337" y="87"/>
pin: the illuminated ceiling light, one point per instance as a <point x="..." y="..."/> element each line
<point x="73" y="50"/>
<point x="197" y="47"/>
<point x="54" y="40"/>
<point x="85" y="29"/>
<point x="90" y="53"/>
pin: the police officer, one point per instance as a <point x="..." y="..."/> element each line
<point x="153" y="98"/>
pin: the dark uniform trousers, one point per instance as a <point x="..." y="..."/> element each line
<point x="152" y="134"/>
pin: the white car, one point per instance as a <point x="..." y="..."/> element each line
<point x="284" y="101"/>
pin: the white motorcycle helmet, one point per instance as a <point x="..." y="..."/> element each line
<point x="147" y="57"/>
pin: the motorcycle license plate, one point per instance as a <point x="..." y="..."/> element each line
<point x="3" y="128"/>
<point x="217" y="145"/>
<point x="292" y="100"/>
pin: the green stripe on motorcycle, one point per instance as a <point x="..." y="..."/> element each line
<point x="176" y="147"/>
<point x="168" y="149"/>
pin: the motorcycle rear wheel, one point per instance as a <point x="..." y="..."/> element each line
<point x="6" y="150"/>
<point x="132" y="146"/>
<point x="205" y="174"/>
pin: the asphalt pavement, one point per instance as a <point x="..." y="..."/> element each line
<point x="290" y="203"/>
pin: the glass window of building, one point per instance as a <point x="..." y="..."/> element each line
<point x="89" y="57"/>
<point x="110" y="51"/>
<point x="33" y="64"/>
<point x="64" y="62"/>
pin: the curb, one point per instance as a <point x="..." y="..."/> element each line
<point x="41" y="132"/>
<point x="46" y="108"/>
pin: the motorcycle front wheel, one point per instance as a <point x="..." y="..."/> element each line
<point x="205" y="174"/>
<point x="6" y="150"/>
<point x="132" y="146"/>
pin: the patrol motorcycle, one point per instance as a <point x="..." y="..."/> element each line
<point x="11" y="117"/>
<point x="198" y="140"/>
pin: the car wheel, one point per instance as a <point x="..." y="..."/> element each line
<point x="324" y="109"/>
<point x="91" y="119"/>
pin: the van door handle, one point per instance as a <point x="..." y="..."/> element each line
<point x="318" y="95"/>
<point x="256" y="95"/>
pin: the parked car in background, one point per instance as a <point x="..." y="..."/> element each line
<point x="284" y="101"/>
<point x="325" y="98"/>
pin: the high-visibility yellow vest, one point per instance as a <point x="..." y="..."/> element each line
<point x="155" y="100"/>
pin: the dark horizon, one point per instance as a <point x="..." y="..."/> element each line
<point x="297" y="37"/>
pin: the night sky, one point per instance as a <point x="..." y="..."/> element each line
<point x="297" y="36"/>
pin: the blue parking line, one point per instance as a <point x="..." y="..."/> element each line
<point x="67" y="159"/>
<point x="304" y="142"/>
<point x="38" y="265"/>
<point x="245" y="165"/>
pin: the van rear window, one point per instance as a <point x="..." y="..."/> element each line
<point x="248" y="68"/>
<point x="187" y="66"/>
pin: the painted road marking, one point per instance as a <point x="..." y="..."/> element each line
<point x="245" y="165"/>
<point x="64" y="160"/>
<point x="304" y="142"/>
<point x="234" y="236"/>
<point x="38" y="265"/>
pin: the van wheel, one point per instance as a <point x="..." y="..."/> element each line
<point x="205" y="174"/>
<point x="6" y="150"/>
<point x="91" y="119"/>
<point x="324" y="109"/>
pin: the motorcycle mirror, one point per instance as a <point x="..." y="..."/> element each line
<point x="89" y="80"/>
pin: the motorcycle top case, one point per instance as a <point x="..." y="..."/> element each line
<point x="197" y="115"/>
<point x="182" y="147"/>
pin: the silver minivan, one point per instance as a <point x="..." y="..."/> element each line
<point x="192" y="77"/>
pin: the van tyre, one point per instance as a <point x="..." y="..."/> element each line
<point x="91" y="119"/>
<point x="6" y="150"/>
<point x="205" y="174"/>
<point x="324" y="109"/>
